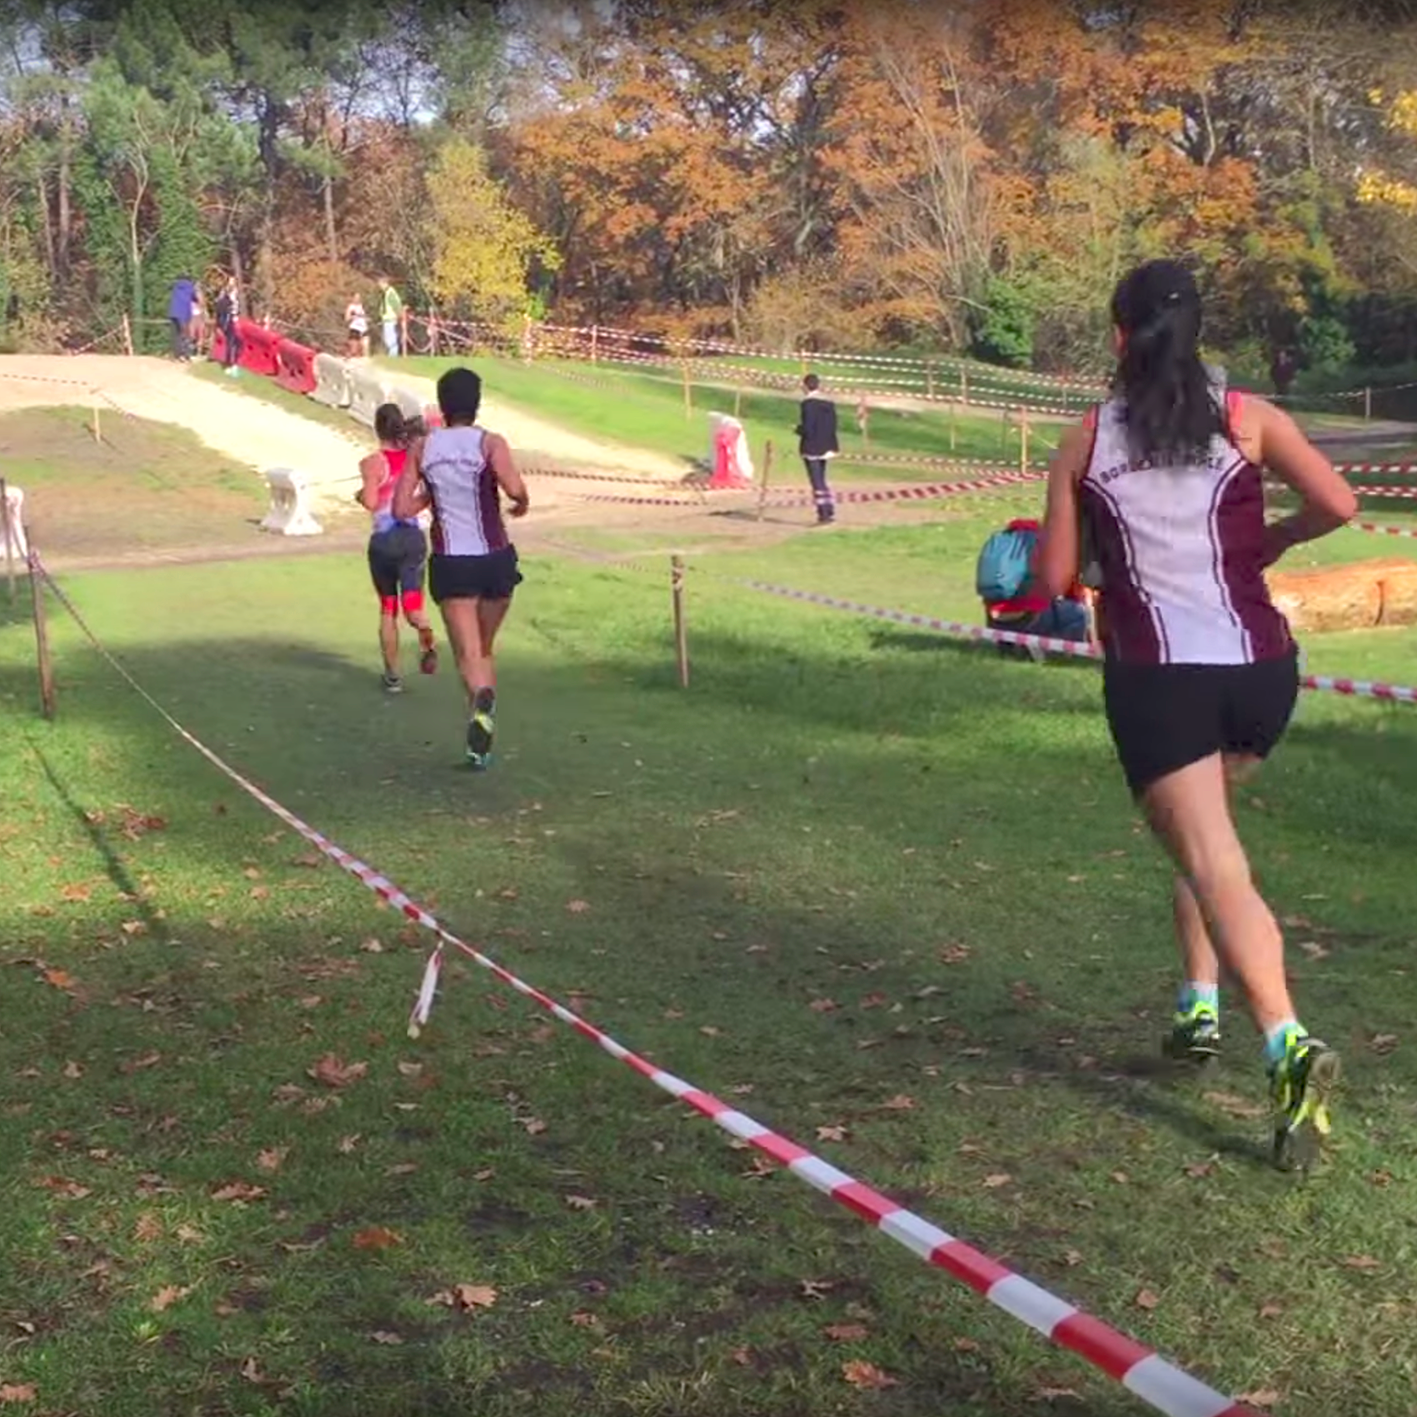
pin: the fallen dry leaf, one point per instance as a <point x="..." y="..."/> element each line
<point x="846" y="1333"/>
<point x="1058" y="1394"/>
<point x="382" y="1335"/>
<point x="954" y="954"/>
<point x="578" y="907"/>
<point x="832" y="1133"/>
<point x="1199" y="1170"/>
<point x="347" y="1144"/>
<point x="709" y="1031"/>
<point x="998" y="1179"/>
<point x="1237" y="1106"/>
<point x="410" y="1070"/>
<point x="486" y="1174"/>
<point x="583" y="1318"/>
<point x="867" y="1376"/>
<point x="1271" y="1310"/>
<point x="899" y="1103"/>
<point x="815" y="1288"/>
<point x="251" y="1371"/>
<point x="534" y="1126"/>
<point x="59" y="979"/>
<point x="1146" y="1300"/>
<point x="965" y="1345"/>
<point x="376" y="1237"/>
<point x="135" y="1065"/>
<point x="238" y="1191"/>
<point x="271" y="1158"/>
<point x="167" y="1296"/>
<point x="1072" y="1258"/>
<point x="190" y="1235"/>
<point x="466" y="1297"/>
<point x="581" y="1202"/>
<point x="404" y="1168"/>
<point x="1313" y="949"/>
<point x="18" y="1392"/>
<point x="1383" y="1043"/>
<point x="823" y="1006"/>
<point x="1264" y="1397"/>
<point x="743" y="1357"/>
<point x="333" y="1071"/>
<point x="874" y="1001"/>
<point x="73" y="1070"/>
<point x="1362" y="1262"/>
<point x="62" y="1186"/>
<point x="147" y="1227"/>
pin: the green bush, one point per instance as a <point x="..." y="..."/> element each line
<point x="1003" y="331"/>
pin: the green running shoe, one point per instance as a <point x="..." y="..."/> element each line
<point x="1301" y="1085"/>
<point x="480" y="728"/>
<point x="1195" y="1035"/>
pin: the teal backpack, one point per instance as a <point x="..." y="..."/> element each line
<point x="1003" y="566"/>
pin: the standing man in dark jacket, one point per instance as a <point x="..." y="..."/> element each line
<point x="179" y="312"/>
<point x="817" y="441"/>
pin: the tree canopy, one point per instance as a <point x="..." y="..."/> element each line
<point x="957" y="177"/>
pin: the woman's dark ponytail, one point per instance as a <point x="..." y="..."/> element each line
<point x="1171" y="406"/>
<point x="389" y="426"/>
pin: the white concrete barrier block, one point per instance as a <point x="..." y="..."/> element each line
<point x="366" y="392"/>
<point x="331" y="381"/>
<point x="410" y="405"/>
<point x="290" y="513"/>
<point x="12" y="527"/>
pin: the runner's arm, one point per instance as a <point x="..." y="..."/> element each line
<point x="499" y="459"/>
<point x="371" y="470"/>
<point x="1328" y="501"/>
<point x="1057" y="567"/>
<point x="410" y="491"/>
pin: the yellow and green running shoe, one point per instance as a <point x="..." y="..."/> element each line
<point x="1301" y="1085"/>
<point x="481" y="725"/>
<point x="1195" y="1035"/>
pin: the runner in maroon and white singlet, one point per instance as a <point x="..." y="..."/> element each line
<point x="460" y="471"/>
<point x="1201" y="672"/>
<point x="397" y="550"/>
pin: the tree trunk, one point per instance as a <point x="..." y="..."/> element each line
<point x="66" y="215"/>
<point x="269" y="137"/>
<point x="331" y="235"/>
<point x="50" y="256"/>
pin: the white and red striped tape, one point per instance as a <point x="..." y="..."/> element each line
<point x="1350" y="469"/>
<point x="1355" y="688"/>
<point x="1402" y="493"/>
<point x="1384" y="530"/>
<point x="1142" y="1371"/>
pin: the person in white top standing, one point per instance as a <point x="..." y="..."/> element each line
<point x="1201" y="673"/>
<point x="460" y="471"/>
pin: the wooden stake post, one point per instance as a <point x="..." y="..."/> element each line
<point x="127" y="334"/>
<point x="1023" y="440"/>
<point x="41" y="643"/>
<point x="681" y="638"/>
<point x="767" y="476"/>
<point x="688" y="393"/>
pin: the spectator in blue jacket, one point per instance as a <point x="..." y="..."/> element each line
<point x="179" y="313"/>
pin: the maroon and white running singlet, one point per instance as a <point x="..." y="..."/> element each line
<point x="467" y="512"/>
<point x="1181" y="552"/>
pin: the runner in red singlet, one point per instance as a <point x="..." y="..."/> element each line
<point x="397" y="550"/>
<point x="1201" y="672"/>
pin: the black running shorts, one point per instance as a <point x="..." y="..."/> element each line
<point x="1164" y="717"/>
<point x="491" y="577"/>
<point x="396" y="559"/>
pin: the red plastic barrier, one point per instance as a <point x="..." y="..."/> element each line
<point x="217" y="352"/>
<point x="258" y="348"/>
<point x="295" y="367"/>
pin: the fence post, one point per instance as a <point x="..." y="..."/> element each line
<point x="767" y="477"/>
<point x="41" y="642"/>
<point x="9" y="540"/>
<point x="595" y="344"/>
<point x="738" y="401"/>
<point x="863" y="421"/>
<point x="526" y="339"/>
<point x="1023" y="440"/>
<point x="681" y="638"/>
<point x="1367" y="403"/>
<point x="688" y="393"/>
<point x="127" y="334"/>
<point x="433" y="329"/>
<point x="930" y="379"/>
<point x="403" y="333"/>
<point x="963" y="384"/>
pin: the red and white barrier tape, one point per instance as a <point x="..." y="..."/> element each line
<point x="1354" y="688"/>
<point x="1350" y="468"/>
<point x="1406" y="493"/>
<point x="1142" y="1371"/>
<point x="1384" y="530"/>
<point x="911" y="492"/>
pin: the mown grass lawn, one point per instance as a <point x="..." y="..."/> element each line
<point x="648" y="410"/>
<point x="886" y="894"/>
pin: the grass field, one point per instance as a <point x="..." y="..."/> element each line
<point x="885" y="893"/>
<point x="644" y="410"/>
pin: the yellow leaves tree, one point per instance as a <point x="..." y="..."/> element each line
<point x="485" y="249"/>
<point x="1376" y="187"/>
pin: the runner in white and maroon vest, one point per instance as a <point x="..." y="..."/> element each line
<point x="1201" y="672"/>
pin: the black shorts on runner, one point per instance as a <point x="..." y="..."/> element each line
<point x="491" y="577"/>
<point x="396" y="560"/>
<point x="1165" y="717"/>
